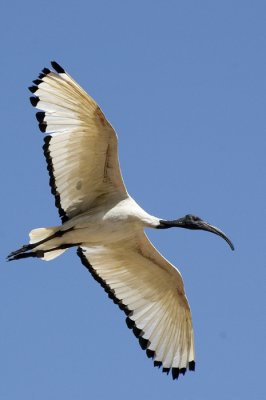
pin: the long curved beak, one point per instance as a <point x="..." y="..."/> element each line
<point x="193" y="222"/>
<point x="210" y="228"/>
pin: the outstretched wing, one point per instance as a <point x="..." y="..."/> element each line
<point x="151" y="293"/>
<point x="81" y="148"/>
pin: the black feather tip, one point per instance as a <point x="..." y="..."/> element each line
<point x="33" y="89"/>
<point x="34" y="101"/>
<point x="175" y="373"/>
<point x="191" y="366"/>
<point x="144" y="343"/>
<point x="46" y="71"/>
<point x="166" y="370"/>
<point x="37" y="81"/>
<point x="40" y="116"/>
<point x="157" y="364"/>
<point x="43" y="126"/>
<point x="57" y="67"/>
<point x="150" y="353"/>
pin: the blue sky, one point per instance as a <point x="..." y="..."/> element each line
<point x="184" y="85"/>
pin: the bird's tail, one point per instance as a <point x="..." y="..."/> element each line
<point x="38" y="237"/>
<point x="39" y="234"/>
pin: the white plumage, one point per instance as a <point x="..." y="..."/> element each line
<point x="106" y="224"/>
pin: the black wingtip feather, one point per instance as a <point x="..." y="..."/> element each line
<point x="34" y="101"/>
<point x="40" y="115"/>
<point x="150" y="353"/>
<point x="57" y="67"/>
<point x="46" y="71"/>
<point x="37" y="81"/>
<point x="130" y="323"/>
<point x="157" y="364"/>
<point x="175" y="373"/>
<point x="191" y="366"/>
<point x="137" y="332"/>
<point x="43" y="126"/>
<point x="33" y="89"/>
<point x="144" y="343"/>
<point x="166" y="370"/>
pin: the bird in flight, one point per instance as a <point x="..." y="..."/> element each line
<point x="106" y="225"/>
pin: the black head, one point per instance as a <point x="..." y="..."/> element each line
<point x="190" y="221"/>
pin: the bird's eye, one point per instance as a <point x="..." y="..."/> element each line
<point x="193" y="218"/>
<point x="196" y="218"/>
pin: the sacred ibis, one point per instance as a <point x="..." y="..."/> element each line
<point x="102" y="220"/>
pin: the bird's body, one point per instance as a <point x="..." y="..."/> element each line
<point x="103" y="224"/>
<point x="107" y="225"/>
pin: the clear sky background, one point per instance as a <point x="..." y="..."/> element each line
<point x="184" y="85"/>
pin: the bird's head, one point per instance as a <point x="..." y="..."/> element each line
<point x="190" y="221"/>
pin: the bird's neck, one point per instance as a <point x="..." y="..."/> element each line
<point x="165" y="224"/>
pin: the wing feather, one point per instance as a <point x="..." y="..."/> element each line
<point x="151" y="292"/>
<point x="81" y="148"/>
